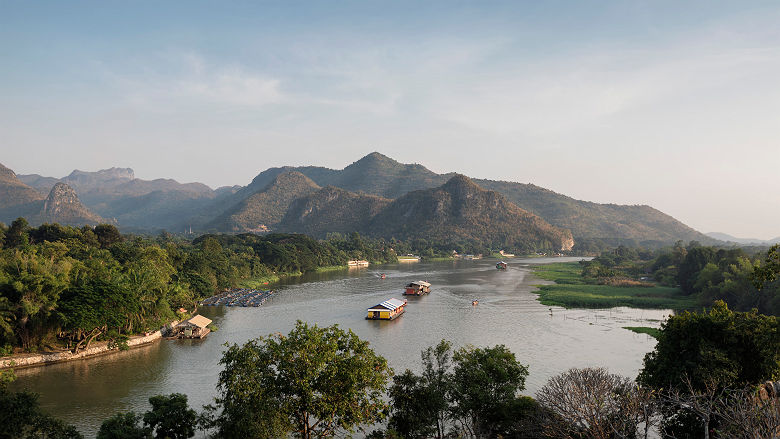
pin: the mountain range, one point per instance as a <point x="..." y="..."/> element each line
<point x="743" y="241"/>
<point x="365" y="196"/>
<point x="61" y="205"/>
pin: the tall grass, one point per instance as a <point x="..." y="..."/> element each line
<point x="572" y="291"/>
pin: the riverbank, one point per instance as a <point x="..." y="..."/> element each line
<point x="570" y="290"/>
<point x="20" y="361"/>
<point x="262" y="282"/>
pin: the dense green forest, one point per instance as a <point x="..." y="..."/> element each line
<point x="743" y="279"/>
<point x="66" y="287"/>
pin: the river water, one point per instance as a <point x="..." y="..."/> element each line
<point x="549" y="341"/>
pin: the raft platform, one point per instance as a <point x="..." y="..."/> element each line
<point x="244" y="297"/>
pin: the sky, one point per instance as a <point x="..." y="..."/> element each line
<point x="666" y="103"/>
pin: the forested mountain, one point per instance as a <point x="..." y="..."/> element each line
<point x="137" y="204"/>
<point x="266" y="207"/>
<point x="593" y="220"/>
<point x="332" y="209"/>
<point x="457" y="212"/>
<point x="377" y="174"/>
<point x="460" y="210"/>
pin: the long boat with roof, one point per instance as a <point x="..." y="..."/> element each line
<point x="390" y="309"/>
<point x="417" y="288"/>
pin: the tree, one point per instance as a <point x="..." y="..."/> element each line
<point x="719" y="349"/>
<point x="419" y="404"/>
<point x="107" y="235"/>
<point x="770" y="271"/>
<point x="123" y="426"/>
<point x="410" y="414"/>
<point x="171" y="417"/>
<point x="436" y="364"/>
<point x="749" y="413"/>
<point x="695" y="260"/>
<point x="95" y="309"/>
<point x="484" y="390"/>
<point x="593" y="403"/>
<point x="17" y="234"/>
<point x="21" y="416"/>
<point x="32" y="283"/>
<point x="314" y="382"/>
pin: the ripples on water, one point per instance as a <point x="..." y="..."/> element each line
<point x="548" y="340"/>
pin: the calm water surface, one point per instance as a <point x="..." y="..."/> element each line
<point x="86" y="392"/>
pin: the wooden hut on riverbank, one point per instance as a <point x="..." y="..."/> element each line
<point x="195" y="327"/>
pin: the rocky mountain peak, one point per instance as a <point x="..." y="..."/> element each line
<point x="63" y="206"/>
<point x="6" y="173"/>
<point x="461" y="186"/>
<point x="61" y="194"/>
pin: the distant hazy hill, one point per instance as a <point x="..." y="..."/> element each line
<point x="332" y="209"/>
<point x="379" y="175"/>
<point x="62" y="205"/>
<point x="267" y="206"/>
<point x="134" y="203"/>
<point x="729" y="238"/>
<point x="16" y="198"/>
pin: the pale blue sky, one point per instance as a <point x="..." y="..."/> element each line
<point x="661" y="103"/>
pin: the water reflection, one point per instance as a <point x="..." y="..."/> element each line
<point x="88" y="391"/>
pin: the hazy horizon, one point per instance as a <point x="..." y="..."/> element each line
<point x="676" y="106"/>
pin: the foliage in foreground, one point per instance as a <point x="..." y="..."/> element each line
<point x="707" y="353"/>
<point x="314" y="382"/>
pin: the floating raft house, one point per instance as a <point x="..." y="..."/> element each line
<point x="239" y="297"/>
<point x="390" y="309"/>
<point x="195" y="327"/>
<point x="417" y="288"/>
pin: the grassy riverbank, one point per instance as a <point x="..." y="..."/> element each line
<point x="572" y="291"/>
<point x="652" y="332"/>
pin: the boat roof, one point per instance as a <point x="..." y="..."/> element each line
<point x="199" y="321"/>
<point x="390" y="304"/>
<point x="421" y="283"/>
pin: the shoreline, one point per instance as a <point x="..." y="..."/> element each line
<point x="24" y="361"/>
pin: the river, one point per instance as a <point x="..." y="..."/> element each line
<point x="548" y="340"/>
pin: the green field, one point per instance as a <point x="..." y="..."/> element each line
<point x="571" y="291"/>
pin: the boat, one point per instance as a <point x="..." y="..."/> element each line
<point x="356" y="263"/>
<point x="390" y="309"/>
<point x="501" y="265"/>
<point x="417" y="288"/>
<point x="384" y="275"/>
